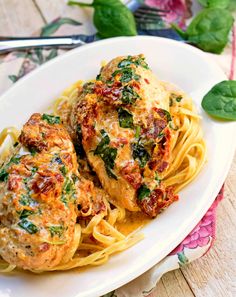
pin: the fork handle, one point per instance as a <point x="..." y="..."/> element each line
<point x="8" y="44"/>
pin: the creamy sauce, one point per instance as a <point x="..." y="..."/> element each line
<point x="132" y="222"/>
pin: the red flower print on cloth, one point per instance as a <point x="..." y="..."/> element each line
<point x="203" y="232"/>
<point x="177" y="10"/>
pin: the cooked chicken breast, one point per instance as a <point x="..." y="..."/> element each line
<point x="40" y="189"/>
<point x="121" y="120"/>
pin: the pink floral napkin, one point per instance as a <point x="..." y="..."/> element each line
<point x="17" y="64"/>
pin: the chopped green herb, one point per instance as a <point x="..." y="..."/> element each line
<point x="34" y="169"/>
<point x="68" y="191"/>
<point x="127" y="74"/>
<point x="137" y="132"/>
<point x="88" y="88"/>
<point x="25" y="213"/>
<point x="140" y="61"/>
<point x="15" y="160"/>
<point x="103" y="143"/>
<point x="28" y="226"/>
<point x="51" y="119"/>
<point x="157" y="178"/>
<point x="99" y="77"/>
<point x="129" y="96"/>
<point x="107" y="154"/>
<point x="125" y="118"/>
<point x="143" y="192"/>
<point x="140" y="153"/>
<point x="27" y="200"/>
<point x="167" y="114"/>
<point x="63" y="170"/>
<point x="3" y="175"/>
<point x="161" y="134"/>
<point x="56" y="230"/>
<point x="179" y="98"/>
<point x="33" y="151"/>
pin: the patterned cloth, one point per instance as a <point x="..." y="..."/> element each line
<point x="17" y="64"/>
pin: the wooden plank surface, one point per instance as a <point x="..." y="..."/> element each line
<point x="19" y="18"/>
<point x="214" y="275"/>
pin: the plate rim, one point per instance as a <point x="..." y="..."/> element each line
<point x="140" y="270"/>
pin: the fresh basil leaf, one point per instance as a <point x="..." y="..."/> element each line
<point x="51" y="119"/>
<point x="143" y="192"/>
<point x="137" y="61"/>
<point x="209" y="30"/>
<point x="3" y="175"/>
<point x="129" y="96"/>
<point x="103" y="143"/>
<point x="220" y="101"/>
<point x="63" y="170"/>
<point x="56" y="230"/>
<point x="28" y="226"/>
<point x="25" y="213"/>
<point x="140" y="153"/>
<point x="167" y="115"/>
<point x="125" y="118"/>
<point x="111" y="18"/>
<point x="107" y="154"/>
<point x="27" y="200"/>
<point x="215" y="3"/>
<point x="127" y="74"/>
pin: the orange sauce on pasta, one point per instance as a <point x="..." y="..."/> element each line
<point x="132" y="221"/>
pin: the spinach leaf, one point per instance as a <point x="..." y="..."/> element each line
<point x="209" y="30"/>
<point x="138" y="61"/>
<point x="51" y="119"/>
<point x="215" y="3"/>
<point x="220" y="101"/>
<point x="56" y="230"/>
<point x="143" y="192"/>
<point x="111" y="18"/>
<point x="107" y="154"/>
<point x="3" y="175"/>
<point x="25" y="213"/>
<point x="129" y="96"/>
<point x="27" y="200"/>
<point x="140" y="153"/>
<point x="103" y="143"/>
<point x="28" y="226"/>
<point x="125" y="118"/>
<point x="126" y="74"/>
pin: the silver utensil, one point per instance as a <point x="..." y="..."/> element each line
<point x="142" y="13"/>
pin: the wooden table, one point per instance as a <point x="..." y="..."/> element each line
<point x="214" y="275"/>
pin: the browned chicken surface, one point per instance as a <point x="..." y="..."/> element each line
<point x="41" y="196"/>
<point x="122" y="121"/>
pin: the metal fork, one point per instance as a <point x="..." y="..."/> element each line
<point x="142" y="13"/>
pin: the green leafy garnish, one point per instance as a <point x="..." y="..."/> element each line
<point x="167" y="114"/>
<point x="127" y="74"/>
<point x="25" y="199"/>
<point x="129" y="96"/>
<point x="140" y="61"/>
<point x="28" y="226"/>
<point x="107" y="154"/>
<point x="68" y="191"/>
<point x="32" y="151"/>
<point x="63" y="170"/>
<point x="51" y="119"/>
<point x="125" y="118"/>
<point x="143" y="192"/>
<point x="25" y="213"/>
<point x="215" y="3"/>
<point x="111" y="18"/>
<point x="88" y="88"/>
<point x="137" y="132"/>
<point x="209" y="30"/>
<point x="3" y="175"/>
<point x="220" y="101"/>
<point x="34" y="169"/>
<point x="140" y="153"/>
<point x="56" y="230"/>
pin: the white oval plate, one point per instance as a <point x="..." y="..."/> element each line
<point x="183" y="65"/>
